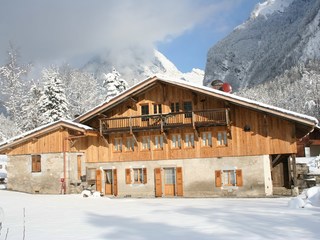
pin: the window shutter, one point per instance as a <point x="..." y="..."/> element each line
<point x="239" y="177"/>
<point x="179" y="181"/>
<point x="128" y="176"/>
<point x="218" y="178"/>
<point x="144" y="175"/>
<point x="98" y="180"/>
<point x="115" y="183"/>
<point x="158" y="182"/>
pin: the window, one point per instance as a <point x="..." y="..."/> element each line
<point x="175" y="107"/>
<point x="157" y="108"/>
<point x="118" y="144"/>
<point x="187" y="107"/>
<point x="222" y="139"/>
<point x="130" y="144"/>
<point x="145" y="143"/>
<point x="228" y="178"/>
<point x="158" y="142"/>
<point x="144" y="111"/>
<point x="189" y="140"/>
<point x="206" y="139"/>
<point x="139" y="175"/>
<point x="176" y="141"/>
<point x="36" y="163"/>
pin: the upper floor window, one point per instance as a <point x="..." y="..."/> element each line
<point x="189" y="140"/>
<point x="118" y="144"/>
<point x="206" y="139"/>
<point x="130" y="144"/>
<point x="157" y="108"/>
<point x="145" y="143"/>
<point x="176" y="141"/>
<point x="36" y="163"/>
<point x="175" y="107"/>
<point x="145" y="111"/>
<point x="222" y="139"/>
<point x="158" y="142"/>
<point x="187" y="107"/>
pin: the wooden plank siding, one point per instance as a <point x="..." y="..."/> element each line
<point x="268" y="134"/>
<point x="48" y="143"/>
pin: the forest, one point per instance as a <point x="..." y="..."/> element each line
<point x="59" y="92"/>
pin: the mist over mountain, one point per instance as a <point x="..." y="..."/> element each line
<point x="139" y="68"/>
<point x="279" y="35"/>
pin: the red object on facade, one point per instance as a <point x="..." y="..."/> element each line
<point x="226" y="87"/>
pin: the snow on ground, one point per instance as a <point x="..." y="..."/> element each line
<point x="75" y="217"/>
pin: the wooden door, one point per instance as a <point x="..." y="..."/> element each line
<point x="169" y="182"/>
<point x="158" y="182"/>
<point x="98" y="181"/>
<point x="108" y="182"/>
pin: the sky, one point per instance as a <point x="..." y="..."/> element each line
<point x="51" y="32"/>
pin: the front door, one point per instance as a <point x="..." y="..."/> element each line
<point x="111" y="187"/>
<point x="169" y="182"/>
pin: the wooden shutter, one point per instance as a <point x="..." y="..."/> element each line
<point x="128" y="176"/>
<point x="98" y="180"/>
<point x="218" y="178"/>
<point x="144" y="175"/>
<point x="179" y="181"/>
<point x="79" y="166"/>
<point x="158" y="182"/>
<point x="115" y="183"/>
<point x="239" y="177"/>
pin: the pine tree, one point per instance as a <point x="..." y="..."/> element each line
<point x="113" y="84"/>
<point x="53" y="104"/>
<point x="31" y="109"/>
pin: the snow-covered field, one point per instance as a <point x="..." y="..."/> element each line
<point x="38" y="217"/>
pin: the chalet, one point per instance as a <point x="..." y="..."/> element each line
<point x="163" y="138"/>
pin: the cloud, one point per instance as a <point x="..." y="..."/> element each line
<point x="47" y="30"/>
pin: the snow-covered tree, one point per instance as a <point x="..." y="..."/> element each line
<point x="13" y="86"/>
<point x="8" y="128"/>
<point x="81" y="90"/>
<point x="53" y="104"/>
<point x="296" y="89"/>
<point x="113" y="84"/>
<point x="30" y="108"/>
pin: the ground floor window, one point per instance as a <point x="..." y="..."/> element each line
<point x="228" y="178"/>
<point x="36" y="163"/>
<point x="136" y="176"/>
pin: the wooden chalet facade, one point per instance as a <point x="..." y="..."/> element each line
<point x="163" y="138"/>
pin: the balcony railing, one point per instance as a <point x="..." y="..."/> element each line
<point x="214" y="117"/>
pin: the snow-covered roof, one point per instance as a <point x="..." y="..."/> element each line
<point x="302" y="118"/>
<point x="49" y="126"/>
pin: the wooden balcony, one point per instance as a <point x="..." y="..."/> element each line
<point x="195" y="119"/>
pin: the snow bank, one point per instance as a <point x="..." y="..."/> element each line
<point x="309" y="198"/>
<point x="88" y="193"/>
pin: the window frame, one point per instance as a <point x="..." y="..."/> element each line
<point x="136" y="175"/>
<point x="145" y="143"/>
<point x="222" y="139"/>
<point x="189" y="140"/>
<point x="157" y="108"/>
<point x="130" y="144"/>
<point x="117" y="144"/>
<point x="145" y="112"/>
<point x="187" y="108"/>
<point x="176" y="141"/>
<point x="158" y="142"/>
<point x="207" y="140"/>
<point x="36" y="163"/>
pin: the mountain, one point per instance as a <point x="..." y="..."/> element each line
<point x="279" y="35"/>
<point x="141" y="69"/>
